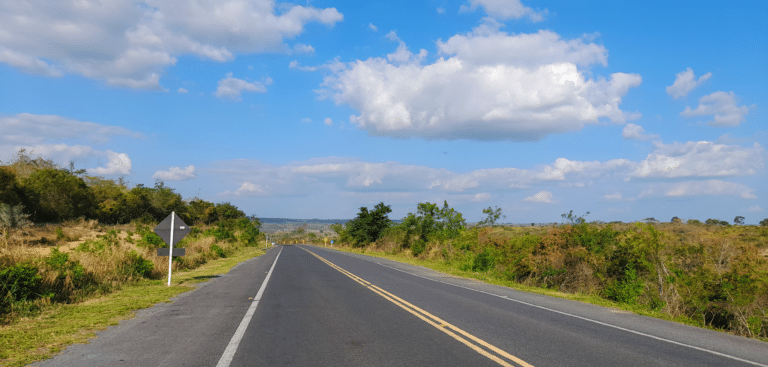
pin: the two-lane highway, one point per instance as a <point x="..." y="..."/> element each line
<point x="322" y="307"/>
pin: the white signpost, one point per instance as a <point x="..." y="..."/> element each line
<point x="172" y="229"/>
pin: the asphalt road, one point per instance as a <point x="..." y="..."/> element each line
<point x="322" y="307"/>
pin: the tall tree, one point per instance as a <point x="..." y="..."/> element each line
<point x="55" y="195"/>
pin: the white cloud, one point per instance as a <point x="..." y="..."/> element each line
<point x="754" y="209"/>
<point x="440" y="10"/>
<point x="303" y="49"/>
<point x="373" y="27"/>
<point x="711" y="188"/>
<point x="540" y="197"/>
<point x="119" y="164"/>
<point x="495" y="87"/>
<point x="504" y="9"/>
<point x="723" y="106"/>
<point x="700" y="159"/>
<point x="176" y="174"/>
<point x="614" y="196"/>
<point x="230" y="87"/>
<point x="328" y="121"/>
<point x="685" y="81"/>
<point x="636" y="132"/>
<point x="481" y="196"/>
<point x="28" y="129"/>
<point x="248" y="189"/>
<point x="129" y="44"/>
<point x="182" y="90"/>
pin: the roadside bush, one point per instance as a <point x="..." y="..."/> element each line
<point x="626" y="289"/>
<point x="218" y="251"/>
<point x="18" y="283"/>
<point x="136" y="265"/>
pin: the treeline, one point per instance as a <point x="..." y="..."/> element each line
<point x="45" y="192"/>
<point x="712" y="274"/>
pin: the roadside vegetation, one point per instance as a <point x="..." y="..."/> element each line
<point x="68" y="239"/>
<point x="709" y="274"/>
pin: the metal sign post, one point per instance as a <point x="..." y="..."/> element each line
<point x="172" y="229"/>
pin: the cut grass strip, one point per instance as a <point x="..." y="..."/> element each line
<point x="39" y="338"/>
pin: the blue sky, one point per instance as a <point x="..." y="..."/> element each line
<point x="627" y="110"/>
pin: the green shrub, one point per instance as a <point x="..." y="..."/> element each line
<point x="149" y="239"/>
<point x="483" y="261"/>
<point x="20" y="282"/>
<point x="627" y="289"/>
<point x="218" y="251"/>
<point x="136" y="264"/>
<point x="418" y="247"/>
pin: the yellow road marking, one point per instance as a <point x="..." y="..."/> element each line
<point x="435" y="321"/>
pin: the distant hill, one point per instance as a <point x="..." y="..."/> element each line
<point x="315" y="220"/>
<point x="299" y="221"/>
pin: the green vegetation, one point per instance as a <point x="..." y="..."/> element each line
<point x="713" y="275"/>
<point x="44" y="267"/>
<point x="40" y="337"/>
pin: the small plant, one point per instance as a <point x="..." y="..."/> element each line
<point x="218" y="251"/>
<point x="135" y="264"/>
<point x="627" y="289"/>
<point x="483" y="261"/>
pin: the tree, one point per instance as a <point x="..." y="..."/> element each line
<point x="764" y="222"/>
<point x="738" y="220"/>
<point x="55" y="195"/>
<point x="676" y="220"/>
<point x="431" y="220"/>
<point x="716" y="222"/>
<point x="368" y="225"/>
<point x="10" y="192"/>
<point x="111" y="199"/>
<point x="573" y="219"/>
<point x="493" y="215"/>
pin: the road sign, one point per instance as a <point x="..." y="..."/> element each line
<point x="165" y="250"/>
<point x="172" y="229"/>
<point x="180" y="229"/>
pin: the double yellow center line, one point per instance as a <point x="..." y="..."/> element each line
<point x="497" y="355"/>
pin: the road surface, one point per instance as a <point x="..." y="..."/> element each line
<point x="321" y="307"/>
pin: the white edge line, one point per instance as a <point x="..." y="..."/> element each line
<point x="576" y="316"/>
<point x="229" y="353"/>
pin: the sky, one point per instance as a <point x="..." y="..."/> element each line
<point x="626" y="110"/>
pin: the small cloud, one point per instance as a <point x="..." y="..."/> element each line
<point x="303" y="49"/>
<point x="711" y="188"/>
<point x="636" y="132"/>
<point x="440" y="10"/>
<point x="328" y="121"/>
<point x="754" y="209"/>
<point x="250" y="189"/>
<point x="176" y="174"/>
<point x="723" y="106"/>
<point x="614" y="196"/>
<point x="306" y="120"/>
<point x="230" y="87"/>
<point x="373" y="27"/>
<point x="685" y="81"/>
<point x="540" y="197"/>
<point x="295" y="65"/>
<point x="151" y="82"/>
<point x="119" y="164"/>
<point x="480" y="197"/>
<point x="504" y="9"/>
<point x="182" y="90"/>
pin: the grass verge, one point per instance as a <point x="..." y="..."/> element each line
<point x="39" y="338"/>
<point x="486" y="277"/>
